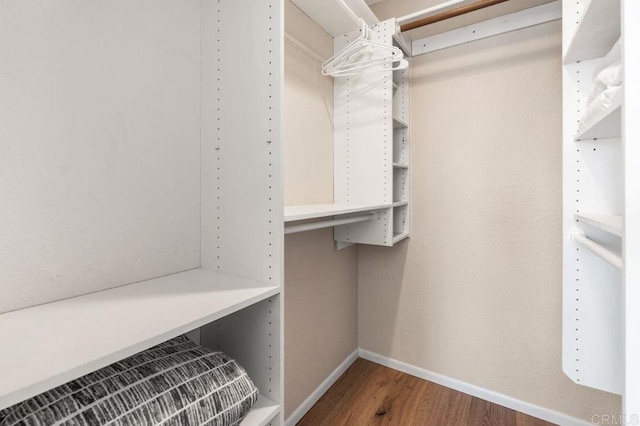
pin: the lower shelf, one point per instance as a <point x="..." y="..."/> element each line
<point x="263" y="411"/>
<point x="57" y="342"/>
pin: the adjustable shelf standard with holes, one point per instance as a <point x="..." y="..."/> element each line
<point x="600" y="166"/>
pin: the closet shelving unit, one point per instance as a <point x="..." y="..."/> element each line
<point x="371" y="148"/>
<point x="600" y="175"/>
<point x="232" y="302"/>
<point x="400" y="157"/>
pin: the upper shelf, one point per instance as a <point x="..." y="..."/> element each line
<point x="314" y="211"/>
<point x="48" y="345"/>
<point x="611" y="223"/>
<point x="332" y="18"/>
<point x="597" y="32"/>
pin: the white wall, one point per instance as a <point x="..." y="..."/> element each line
<point x="321" y="296"/>
<point x="320" y="282"/>
<point x="99" y="145"/>
<point x="308" y="155"/>
<point x="476" y="293"/>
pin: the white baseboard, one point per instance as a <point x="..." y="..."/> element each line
<point x="491" y="396"/>
<point x="297" y="415"/>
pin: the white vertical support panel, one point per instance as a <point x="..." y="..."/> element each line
<point x="631" y="242"/>
<point x="592" y="183"/>
<point x="242" y="196"/>
<point x="242" y="201"/>
<point x="252" y="336"/>
<point x="363" y="134"/>
<point x="362" y="131"/>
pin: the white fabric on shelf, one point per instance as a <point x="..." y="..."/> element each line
<point x="604" y="103"/>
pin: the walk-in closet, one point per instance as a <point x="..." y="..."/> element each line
<point x="319" y="212"/>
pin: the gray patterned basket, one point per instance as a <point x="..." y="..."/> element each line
<point x="176" y="383"/>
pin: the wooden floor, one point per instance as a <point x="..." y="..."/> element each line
<point x="370" y="394"/>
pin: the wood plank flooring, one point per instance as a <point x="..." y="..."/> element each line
<point x="370" y="394"/>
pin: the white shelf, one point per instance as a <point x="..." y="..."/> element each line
<point x="57" y="342"/>
<point x="609" y="126"/>
<point x="611" y="223"/>
<point x="400" y="203"/>
<point x="332" y="18"/>
<point x="262" y="412"/>
<point x="314" y="211"/>
<point x="400" y="166"/>
<point x="598" y="30"/>
<point x="400" y="236"/>
<point x="399" y="123"/>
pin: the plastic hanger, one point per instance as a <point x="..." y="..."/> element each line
<point x="364" y="56"/>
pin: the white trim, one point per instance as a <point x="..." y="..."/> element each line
<point x="500" y="25"/>
<point x="311" y="400"/>
<point x="486" y="394"/>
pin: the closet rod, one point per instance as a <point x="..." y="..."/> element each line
<point x="291" y="229"/>
<point x="600" y="251"/>
<point x="449" y="14"/>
